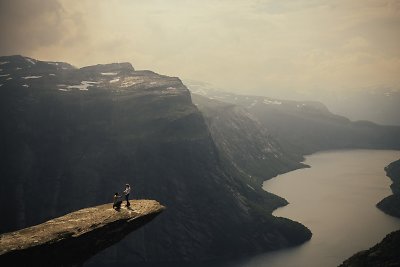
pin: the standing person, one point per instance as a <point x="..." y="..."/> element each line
<point x="126" y="192"/>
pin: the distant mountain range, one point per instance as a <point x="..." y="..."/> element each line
<point x="378" y="105"/>
<point x="304" y="127"/>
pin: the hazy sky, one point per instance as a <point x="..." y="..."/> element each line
<point x="247" y="46"/>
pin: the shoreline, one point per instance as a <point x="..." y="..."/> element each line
<point x="268" y="189"/>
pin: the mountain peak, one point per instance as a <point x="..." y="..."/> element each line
<point x="73" y="238"/>
<point x="109" y="68"/>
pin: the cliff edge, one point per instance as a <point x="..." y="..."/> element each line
<point x="71" y="239"/>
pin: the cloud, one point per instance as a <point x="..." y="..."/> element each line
<point x="29" y="25"/>
<point x="248" y="46"/>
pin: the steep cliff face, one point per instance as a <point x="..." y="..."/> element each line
<point x="72" y="137"/>
<point x="245" y="143"/>
<point x="73" y="238"/>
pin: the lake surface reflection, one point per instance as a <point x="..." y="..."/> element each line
<point x="336" y="199"/>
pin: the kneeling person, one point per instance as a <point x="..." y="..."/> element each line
<point x="117" y="201"/>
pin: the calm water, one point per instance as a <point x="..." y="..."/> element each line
<point x="336" y="199"/>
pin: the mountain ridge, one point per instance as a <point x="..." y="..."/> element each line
<point x="84" y="134"/>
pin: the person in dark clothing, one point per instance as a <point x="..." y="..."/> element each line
<point x="117" y="201"/>
<point x="127" y="191"/>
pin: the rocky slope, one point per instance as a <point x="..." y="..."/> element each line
<point x="73" y="238"/>
<point x="385" y="253"/>
<point x="246" y="145"/>
<point x="391" y="204"/>
<point x="72" y="137"/>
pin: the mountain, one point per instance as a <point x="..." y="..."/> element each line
<point x="73" y="238"/>
<point x="246" y="145"/>
<point x="380" y="105"/>
<point x="305" y="127"/>
<point x="72" y="137"/>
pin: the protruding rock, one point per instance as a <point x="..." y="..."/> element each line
<point x="73" y="238"/>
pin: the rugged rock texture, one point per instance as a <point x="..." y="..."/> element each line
<point x="391" y="204"/>
<point x="246" y="144"/>
<point x="384" y="254"/>
<point x="72" y="137"/>
<point x="246" y="147"/>
<point x="73" y="238"/>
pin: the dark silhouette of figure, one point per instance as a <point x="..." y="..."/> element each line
<point x="117" y="201"/>
<point x="127" y="191"/>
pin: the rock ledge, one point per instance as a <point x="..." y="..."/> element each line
<point x="73" y="238"/>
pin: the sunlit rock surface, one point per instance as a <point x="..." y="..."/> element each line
<point x="73" y="238"/>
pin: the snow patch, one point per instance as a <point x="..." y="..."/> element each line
<point x="63" y="89"/>
<point x="1" y="85"/>
<point x="272" y="102"/>
<point x="4" y="62"/>
<point x="129" y="81"/>
<point x="53" y="63"/>
<point x="25" y="85"/>
<point x="52" y="74"/>
<point x="18" y="68"/>
<point x="83" y="86"/>
<point x="4" y="75"/>
<point x="153" y="82"/>
<point x="114" y="80"/>
<point x="8" y="79"/>
<point x="30" y="60"/>
<point x="170" y="91"/>
<point x="109" y="73"/>
<point x="31" y="77"/>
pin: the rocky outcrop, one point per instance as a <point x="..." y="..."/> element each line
<point x="391" y="204"/>
<point x="73" y="238"/>
<point x="385" y="253"/>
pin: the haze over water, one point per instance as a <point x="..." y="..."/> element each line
<point x="336" y="199"/>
